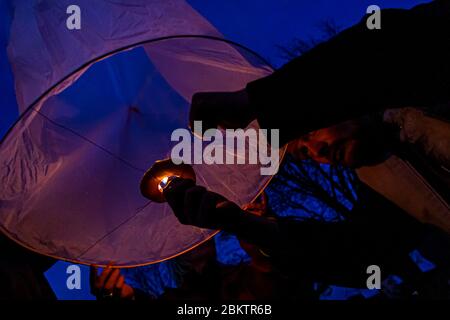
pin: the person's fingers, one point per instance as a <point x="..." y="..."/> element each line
<point x="292" y="146"/>
<point x="200" y="207"/>
<point x="208" y="211"/>
<point x="120" y="282"/>
<point x="119" y="286"/>
<point x="93" y="275"/>
<point x="100" y="280"/>
<point x="297" y="149"/>
<point x="226" y="213"/>
<point x="192" y="206"/>
<point x="175" y="193"/>
<point x="110" y="283"/>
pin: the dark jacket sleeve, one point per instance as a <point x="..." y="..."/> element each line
<point x="336" y="252"/>
<point x="360" y="71"/>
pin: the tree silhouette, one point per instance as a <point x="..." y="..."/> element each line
<point x="327" y="29"/>
<point x="307" y="189"/>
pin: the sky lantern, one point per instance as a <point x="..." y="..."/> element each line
<point x="73" y="163"/>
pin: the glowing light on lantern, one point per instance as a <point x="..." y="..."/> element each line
<point x="165" y="182"/>
<point x="159" y="176"/>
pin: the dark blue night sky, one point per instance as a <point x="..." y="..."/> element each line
<point x="262" y="25"/>
<point x="258" y="24"/>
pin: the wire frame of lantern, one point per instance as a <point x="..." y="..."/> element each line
<point x="72" y="164"/>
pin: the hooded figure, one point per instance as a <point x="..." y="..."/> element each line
<point x="359" y="86"/>
<point x="363" y="71"/>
